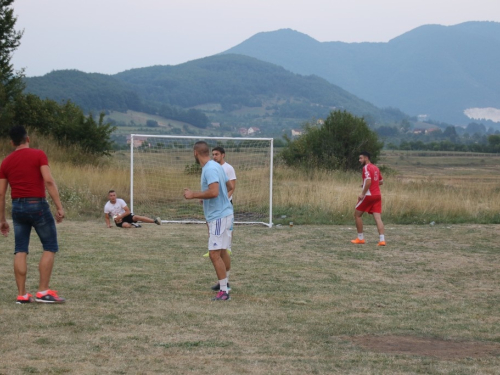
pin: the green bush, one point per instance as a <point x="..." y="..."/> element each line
<point x="334" y="145"/>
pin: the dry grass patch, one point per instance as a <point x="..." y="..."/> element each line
<point x="139" y="302"/>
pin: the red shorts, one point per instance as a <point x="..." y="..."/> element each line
<point x="370" y="204"/>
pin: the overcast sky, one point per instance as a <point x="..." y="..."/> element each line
<point x="110" y="36"/>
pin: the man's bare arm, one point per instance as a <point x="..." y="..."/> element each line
<point x="211" y="192"/>
<point x="108" y="222"/>
<point x="51" y="186"/>
<point x="120" y="217"/>
<point x="231" y="185"/>
<point x="368" y="183"/>
<point x="4" y="226"/>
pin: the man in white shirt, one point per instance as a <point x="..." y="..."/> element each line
<point x="219" y="155"/>
<point x="123" y="218"/>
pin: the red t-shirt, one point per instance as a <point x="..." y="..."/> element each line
<point x="371" y="172"/>
<point x="22" y="170"/>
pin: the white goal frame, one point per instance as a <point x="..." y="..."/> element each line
<point x="202" y="138"/>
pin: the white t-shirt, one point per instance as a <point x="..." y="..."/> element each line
<point x="230" y="173"/>
<point x="115" y="209"/>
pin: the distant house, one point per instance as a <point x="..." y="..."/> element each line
<point x="296" y="133"/>
<point x="422" y="118"/>
<point x="419" y="131"/>
<point x="253" y="130"/>
<point x="138" y="141"/>
<point x="431" y="130"/>
<point x="243" y="131"/>
<point x="320" y="122"/>
<point x="216" y="124"/>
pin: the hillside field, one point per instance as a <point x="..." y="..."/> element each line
<point x="304" y="301"/>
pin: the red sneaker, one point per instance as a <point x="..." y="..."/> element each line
<point x="221" y="296"/>
<point x="49" y="297"/>
<point x="22" y="299"/>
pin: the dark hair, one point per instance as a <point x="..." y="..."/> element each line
<point x="111" y="191"/>
<point x="202" y="148"/>
<point x="18" y="135"/>
<point x="367" y="154"/>
<point x="220" y="149"/>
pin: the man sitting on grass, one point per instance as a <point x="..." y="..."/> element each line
<point x="119" y="211"/>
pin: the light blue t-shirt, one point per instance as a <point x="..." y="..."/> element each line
<point x="218" y="207"/>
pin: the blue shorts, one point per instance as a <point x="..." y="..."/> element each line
<point x="33" y="212"/>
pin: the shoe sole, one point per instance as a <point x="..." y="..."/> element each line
<point x="215" y="299"/>
<point x="43" y="301"/>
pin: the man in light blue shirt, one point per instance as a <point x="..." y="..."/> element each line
<point x="217" y="209"/>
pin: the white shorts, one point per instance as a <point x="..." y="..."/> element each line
<point x="220" y="233"/>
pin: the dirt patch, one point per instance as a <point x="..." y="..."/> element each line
<point x="432" y="347"/>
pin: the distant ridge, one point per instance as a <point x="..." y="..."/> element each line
<point x="227" y="88"/>
<point x="436" y="70"/>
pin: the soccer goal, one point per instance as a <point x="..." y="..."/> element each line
<point x="161" y="166"/>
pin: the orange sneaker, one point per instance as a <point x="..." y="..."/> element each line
<point x="357" y="241"/>
<point x="28" y="299"/>
<point x="381" y="243"/>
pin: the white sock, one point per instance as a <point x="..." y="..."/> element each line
<point x="44" y="292"/>
<point x="360" y="236"/>
<point x="223" y="285"/>
<point x="227" y="276"/>
<point x="382" y="238"/>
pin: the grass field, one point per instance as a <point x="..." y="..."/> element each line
<point x="304" y="301"/>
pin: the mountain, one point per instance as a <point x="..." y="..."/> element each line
<point x="435" y="70"/>
<point x="91" y="91"/>
<point x="227" y="87"/>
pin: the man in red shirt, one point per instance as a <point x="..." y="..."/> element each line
<point x="27" y="172"/>
<point x="370" y="199"/>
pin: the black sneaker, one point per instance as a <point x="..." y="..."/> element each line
<point x="50" y="297"/>
<point x="221" y="296"/>
<point x="136" y="225"/>
<point x="216" y="287"/>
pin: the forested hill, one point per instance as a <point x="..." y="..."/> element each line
<point x="435" y="70"/>
<point x="228" y="83"/>
<point x="91" y="91"/>
<point x="234" y="81"/>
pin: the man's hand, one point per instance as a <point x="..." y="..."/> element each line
<point x="361" y="197"/>
<point x="4" y="228"/>
<point x="59" y="215"/>
<point x="188" y="194"/>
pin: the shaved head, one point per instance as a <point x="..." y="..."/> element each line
<point x="201" y="147"/>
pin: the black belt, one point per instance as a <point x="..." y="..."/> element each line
<point x="35" y="199"/>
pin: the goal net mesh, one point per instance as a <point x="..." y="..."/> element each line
<point x="162" y="166"/>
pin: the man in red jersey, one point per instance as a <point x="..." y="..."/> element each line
<point x="370" y="199"/>
<point x="27" y="172"/>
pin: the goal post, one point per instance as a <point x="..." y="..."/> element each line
<point x="161" y="166"/>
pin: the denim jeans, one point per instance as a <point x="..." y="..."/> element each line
<point x="33" y="212"/>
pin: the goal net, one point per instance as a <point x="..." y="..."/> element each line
<point x="162" y="166"/>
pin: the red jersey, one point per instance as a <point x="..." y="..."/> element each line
<point x="371" y="172"/>
<point x="22" y="170"/>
